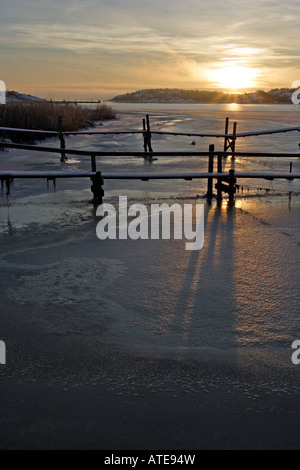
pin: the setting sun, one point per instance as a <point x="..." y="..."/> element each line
<point x="234" y="78"/>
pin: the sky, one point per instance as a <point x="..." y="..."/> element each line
<point x="98" y="49"/>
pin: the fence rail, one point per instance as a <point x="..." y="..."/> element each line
<point x="37" y="148"/>
<point x="142" y="176"/>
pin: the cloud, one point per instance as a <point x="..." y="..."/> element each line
<point x="148" y="43"/>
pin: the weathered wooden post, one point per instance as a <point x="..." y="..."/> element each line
<point x="63" y="157"/>
<point x="291" y="171"/>
<point x="230" y="142"/>
<point x="226" y="134"/>
<point x="219" y="185"/>
<point x="93" y="163"/>
<point x="210" y="170"/>
<point x="232" y="186"/>
<point x="234" y="139"/>
<point x="97" y="189"/>
<point x="149" y="136"/>
<point x="145" y="136"/>
<point x="226" y="184"/>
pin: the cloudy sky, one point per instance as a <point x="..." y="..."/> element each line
<point x="97" y="49"/>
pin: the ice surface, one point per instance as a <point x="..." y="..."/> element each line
<point x="234" y="302"/>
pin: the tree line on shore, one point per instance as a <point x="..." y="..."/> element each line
<point x="165" y="95"/>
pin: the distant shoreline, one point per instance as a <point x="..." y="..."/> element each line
<point x="159" y="95"/>
<point x="195" y="102"/>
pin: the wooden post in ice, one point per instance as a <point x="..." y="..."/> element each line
<point x="149" y="133"/>
<point x="232" y="186"/>
<point x="219" y="185"/>
<point x="97" y="189"/>
<point x="234" y="138"/>
<point x="226" y="133"/>
<point x="145" y="136"/>
<point x="291" y="171"/>
<point x="63" y="157"/>
<point x="210" y="170"/>
<point x="230" y="142"/>
<point x="93" y="162"/>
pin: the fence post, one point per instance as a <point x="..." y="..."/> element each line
<point x="63" y="157"/>
<point x="93" y="162"/>
<point x="291" y="171"/>
<point x="234" y="139"/>
<point x="149" y="133"/>
<point x="145" y="136"/>
<point x="210" y="170"/>
<point x="97" y="189"/>
<point x="219" y="185"/>
<point x="232" y="187"/>
<point x="226" y="133"/>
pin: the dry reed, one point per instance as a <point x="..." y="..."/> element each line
<point x="45" y="116"/>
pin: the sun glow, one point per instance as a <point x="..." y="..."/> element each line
<point x="234" y="78"/>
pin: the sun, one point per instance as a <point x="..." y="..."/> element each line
<point x="234" y="78"/>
